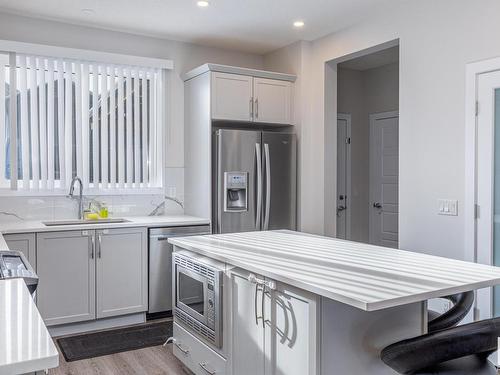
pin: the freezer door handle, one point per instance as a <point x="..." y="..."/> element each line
<point x="258" y="214"/>
<point x="268" y="186"/>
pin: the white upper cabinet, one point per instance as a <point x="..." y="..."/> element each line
<point x="231" y="97"/>
<point x="272" y="101"/>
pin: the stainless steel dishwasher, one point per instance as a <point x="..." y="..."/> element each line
<point x="160" y="264"/>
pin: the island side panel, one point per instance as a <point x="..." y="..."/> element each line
<point x="352" y="339"/>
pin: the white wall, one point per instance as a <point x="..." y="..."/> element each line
<point x="184" y="55"/>
<point x="361" y="93"/>
<point x="437" y="39"/>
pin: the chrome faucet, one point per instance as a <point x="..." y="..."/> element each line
<point x="80" y="197"/>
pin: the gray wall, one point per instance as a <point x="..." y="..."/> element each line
<point x="361" y="93"/>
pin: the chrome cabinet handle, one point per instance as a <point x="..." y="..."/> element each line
<point x="92" y="248"/>
<point x="99" y="249"/>
<point x="268" y="186"/>
<point x="204" y="366"/>
<point x="377" y="205"/>
<point x="184" y="351"/>
<point x="257" y="108"/>
<point x="251" y="108"/>
<point x="270" y="284"/>
<point x="259" y="185"/>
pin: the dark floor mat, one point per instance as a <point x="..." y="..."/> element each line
<point x="97" y="344"/>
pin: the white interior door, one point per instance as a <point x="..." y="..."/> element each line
<point x="384" y="176"/>
<point x="343" y="176"/>
<point x="488" y="186"/>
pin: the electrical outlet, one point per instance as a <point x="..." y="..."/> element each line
<point x="448" y="207"/>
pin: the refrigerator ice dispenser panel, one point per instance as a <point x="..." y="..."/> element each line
<point x="235" y="191"/>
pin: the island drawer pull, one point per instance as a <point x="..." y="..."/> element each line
<point x="185" y="351"/>
<point x="267" y="283"/>
<point x="205" y="368"/>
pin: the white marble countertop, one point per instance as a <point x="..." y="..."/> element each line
<point x="18" y="226"/>
<point x="365" y="276"/>
<point x="25" y="343"/>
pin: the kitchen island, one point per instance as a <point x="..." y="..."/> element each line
<point x="301" y="304"/>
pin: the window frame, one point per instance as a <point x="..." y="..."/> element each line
<point x="162" y="105"/>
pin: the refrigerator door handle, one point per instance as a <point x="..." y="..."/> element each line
<point x="268" y="186"/>
<point x="259" y="186"/>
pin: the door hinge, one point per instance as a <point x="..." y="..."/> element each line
<point x="476" y="211"/>
<point x="348" y="140"/>
<point x="477" y="108"/>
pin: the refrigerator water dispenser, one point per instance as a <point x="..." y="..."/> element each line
<point x="235" y="191"/>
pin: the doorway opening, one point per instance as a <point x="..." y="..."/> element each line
<point x="367" y="152"/>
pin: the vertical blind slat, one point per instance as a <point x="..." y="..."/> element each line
<point x="3" y="123"/>
<point x="68" y="120"/>
<point x="104" y="127"/>
<point x="144" y="138"/>
<point x="95" y="126"/>
<point x="50" y="125"/>
<point x="34" y="122"/>
<point x="121" y="129"/>
<point x="60" y="122"/>
<point x="13" y="120"/>
<point x="42" y="122"/>
<point x="85" y="125"/>
<point x="112" y="128"/>
<point x="78" y="119"/>
<point x="159" y="131"/>
<point x="128" y="96"/>
<point x="137" y="154"/>
<point x="151" y="131"/>
<point x="23" y="91"/>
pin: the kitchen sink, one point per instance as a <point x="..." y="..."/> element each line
<point x="80" y="222"/>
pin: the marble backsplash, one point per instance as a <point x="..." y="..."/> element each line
<point x="62" y="207"/>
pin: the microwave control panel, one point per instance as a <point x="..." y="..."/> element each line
<point x="211" y="305"/>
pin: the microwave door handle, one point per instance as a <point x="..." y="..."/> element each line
<point x="268" y="185"/>
<point x="258" y="214"/>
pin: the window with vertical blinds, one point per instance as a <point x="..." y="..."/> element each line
<point x="101" y="122"/>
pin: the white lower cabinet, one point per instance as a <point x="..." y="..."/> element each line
<point x="23" y="242"/>
<point x="274" y="332"/>
<point x="196" y="356"/>
<point x="121" y="271"/>
<point x="84" y="275"/>
<point x="66" y="270"/>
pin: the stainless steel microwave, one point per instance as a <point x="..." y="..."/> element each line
<point x="198" y="297"/>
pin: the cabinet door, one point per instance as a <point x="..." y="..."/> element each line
<point x="231" y="97"/>
<point x="25" y="243"/>
<point x="65" y="266"/>
<point x="273" y="101"/>
<point x="121" y="271"/>
<point x="290" y="335"/>
<point x="247" y="348"/>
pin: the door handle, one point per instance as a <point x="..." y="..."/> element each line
<point x="184" y="351"/>
<point x="92" y="248"/>
<point x="259" y="186"/>
<point x="268" y="186"/>
<point x="99" y="238"/>
<point x="377" y="205"/>
<point x="205" y="368"/>
<point x="340" y="209"/>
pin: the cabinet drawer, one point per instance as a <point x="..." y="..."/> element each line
<point x="195" y="355"/>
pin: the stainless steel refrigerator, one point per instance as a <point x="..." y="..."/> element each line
<point x="254" y="181"/>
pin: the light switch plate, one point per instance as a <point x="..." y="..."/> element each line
<point x="448" y="207"/>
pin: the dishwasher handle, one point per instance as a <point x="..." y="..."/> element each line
<point x="167" y="236"/>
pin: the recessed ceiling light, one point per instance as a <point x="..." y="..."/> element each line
<point x="298" y="24"/>
<point x="203" y="3"/>
<point x="88" y="11"/>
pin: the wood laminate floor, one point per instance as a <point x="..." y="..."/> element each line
<point x="155" y="360"/>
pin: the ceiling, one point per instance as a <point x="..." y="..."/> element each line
<point x="372" y="60"/>
<point x="256" y="26"/>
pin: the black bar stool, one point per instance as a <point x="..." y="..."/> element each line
<point x="447" y="349"/>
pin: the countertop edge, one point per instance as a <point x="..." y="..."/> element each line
<point x="362" y="305"/>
